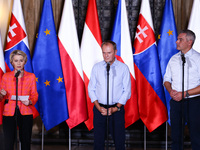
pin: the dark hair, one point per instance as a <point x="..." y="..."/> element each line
<point x="109" y="42"/>
<point x="190" y="35"/>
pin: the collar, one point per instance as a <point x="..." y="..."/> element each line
<point x="13" y="72"/>
<point x="188" y="54"/>
<point x="114" y="63"/>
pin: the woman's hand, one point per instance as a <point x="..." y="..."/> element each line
<point x="2" y="94"/>
<point x="26" y="102"/>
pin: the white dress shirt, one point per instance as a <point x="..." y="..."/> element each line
<point x="119" y="83"/>
<point x="191" y="71"/>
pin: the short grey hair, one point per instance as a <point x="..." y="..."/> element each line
<point x="190" y="35"/>
<point x="109" y="42"/>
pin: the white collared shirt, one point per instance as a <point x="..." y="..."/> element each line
<point x="191" y="71"/>
<point x="119" y="83"/>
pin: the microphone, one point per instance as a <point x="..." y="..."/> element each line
<point x="108" y="66"/>
<point x="183" y="57"/>
<point x="17" y="73"/>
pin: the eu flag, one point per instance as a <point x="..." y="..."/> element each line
<point x="167" y="42"/>
<point x="52" y="102"/>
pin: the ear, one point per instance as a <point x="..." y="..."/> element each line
<point x="190" y="42"/>
<point x="115" y="52"/>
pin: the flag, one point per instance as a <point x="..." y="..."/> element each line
<point x="151" y="97"/>
<point x="194" y="23"/>
<point x="2" y="71"/>
<point x="167" y="43"/>
<point x="52" y="101"/>
<point x="91" y="52"/>
<point x="121" y="36"/>
<point x="17" y="37"/>
<point x="17" y="40"/>
<point x="72" y="67"/>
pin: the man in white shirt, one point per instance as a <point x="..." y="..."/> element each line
<point x="119" y="93"/>
<point x="190" y="104"/>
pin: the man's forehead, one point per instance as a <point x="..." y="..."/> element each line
<point x="182" y="35"/>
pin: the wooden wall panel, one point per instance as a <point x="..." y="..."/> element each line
<point x="182" y="10"/>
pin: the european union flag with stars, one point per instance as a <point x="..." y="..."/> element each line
<point x="167" y="43"/>
<point x="52" y="101"/>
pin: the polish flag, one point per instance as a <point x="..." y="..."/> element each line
<point x="72" y="67"/>
<point x="91" y="52"/>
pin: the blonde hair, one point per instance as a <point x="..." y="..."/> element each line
<point x="18" y="52"/>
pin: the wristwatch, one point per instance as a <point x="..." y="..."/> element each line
<point x="187" y="94"/>
<point x="118" y="109"/>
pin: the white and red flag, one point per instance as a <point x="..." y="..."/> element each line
<point x="91" y="52"/>
<point x="72" y="67"/>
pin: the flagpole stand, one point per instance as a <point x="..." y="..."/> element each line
<point x="70" y="141"/>
<point x="166" y="131"/>
<point x="42" y="136"/>
<point x="145" y="137"/>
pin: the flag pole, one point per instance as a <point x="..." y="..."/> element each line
<point x="70" y="141"/>
<point x="145" y="138"/>
<point x="166" y="136"/>
<point x="42" y="136"/>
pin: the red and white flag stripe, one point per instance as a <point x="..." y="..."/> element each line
<point x="72" y="67"/>
<point x="91" y="52"/>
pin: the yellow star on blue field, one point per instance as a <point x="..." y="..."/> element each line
<point x="159" y="36"/>
<point x="47" y="83"/>
<point x="36" y="79"/>
<point x="59" y="79"/>
<point x="47" y="32"/>
<point x="170" y="32"/>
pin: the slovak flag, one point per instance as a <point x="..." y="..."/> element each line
<point x="17" y="40"/>
<point x="91" y="52"/>
<point x="121" y="36"/>
<point x="17" y="37"/>
<point x="151" y="99"/>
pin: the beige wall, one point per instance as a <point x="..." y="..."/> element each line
<point x="5" y="12"/>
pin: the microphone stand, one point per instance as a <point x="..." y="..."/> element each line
<point x="108" y="69"/>
<point x="182" y="102"/>
<point x="16" y="107"/>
